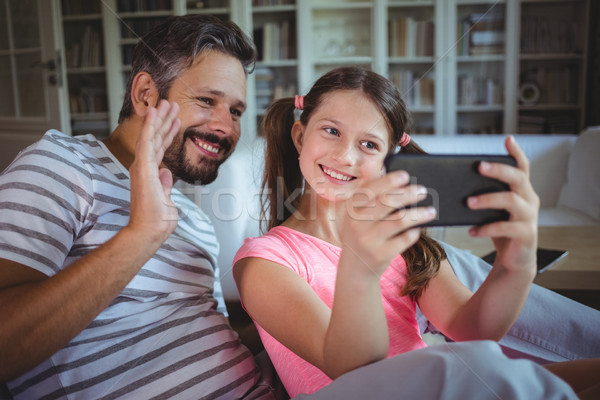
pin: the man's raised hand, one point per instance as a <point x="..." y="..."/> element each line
<point x="152" y="210"/>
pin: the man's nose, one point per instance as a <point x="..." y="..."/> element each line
<point x="221" y="121"/>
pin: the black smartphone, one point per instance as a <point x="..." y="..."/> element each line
<point x="546" y="258"/>
<point x="450" y="180"/>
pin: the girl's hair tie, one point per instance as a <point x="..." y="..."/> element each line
<point x="299" y="102"/>
<point x="404" y="140"/>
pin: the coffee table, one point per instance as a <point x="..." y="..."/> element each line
<point x="580" y="270"/>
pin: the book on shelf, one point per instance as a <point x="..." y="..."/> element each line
<point x="472" y="90"/>
<point x="481" y="34"/>
<point x="135" y="28"/>
<point x="416" y="90"/>
<point x="263" y="3"/>
<point x="92" y="125"/>
<point x="86" y="52"/>
<point x="264" y="78"/>
<point x="275" y="40"/>
<point x="143" y="5"/>
<point x="411" y="38"/>
<point x="78" y="7"/>
<point x="531" y="124"/>
<point x="551" y="35"/>
<point x="88" y="101"/>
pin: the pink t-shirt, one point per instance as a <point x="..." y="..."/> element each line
<point x="316" y="261"/>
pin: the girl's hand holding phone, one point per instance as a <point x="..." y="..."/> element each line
<point x="515" y="240"/>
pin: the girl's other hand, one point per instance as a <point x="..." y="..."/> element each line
<point x="377" y="226"/>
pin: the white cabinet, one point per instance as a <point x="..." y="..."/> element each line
<point x="86" y="71"/>
<point x="552" y="65"/>
<point x="463" y="66"/>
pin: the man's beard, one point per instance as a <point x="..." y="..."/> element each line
<point x="204" y="172"/>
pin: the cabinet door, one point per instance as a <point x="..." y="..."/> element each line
<point x="552" y="61"/>
<point x="334" y="33"/>
<point x="30" y="70"/>
<point x="479" y="68"/>
<point x="412" y="58"/>
<point x="274" y="33"/>
<point x="86" y="68"/>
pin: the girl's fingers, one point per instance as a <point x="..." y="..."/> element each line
<point x="400" y="221"/>
<point x="522" y="231"/>
<point x="515" y="151"/>
<point x="517" y="178"/>
<point x="518" y="207"/>
<point x="388" y="193"/>
<point x="368" y="205"/>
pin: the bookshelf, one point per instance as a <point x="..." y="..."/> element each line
<point x="463" y="66"/>
<point x="412" y="55"/>
<point x="481" y="69"/>
<point x="86" y="70"/>
<point x="552" y="66"/>
<point x="274" y="31"/>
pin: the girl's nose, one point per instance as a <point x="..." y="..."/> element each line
<point x="345" y="154"/>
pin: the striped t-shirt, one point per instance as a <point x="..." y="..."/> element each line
<point x="165" y="335"/>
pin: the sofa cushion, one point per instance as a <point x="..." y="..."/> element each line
<point x="563" y="216"/>
<point x="582" y="189"/>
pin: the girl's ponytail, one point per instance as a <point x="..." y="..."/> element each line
<point x="282" y="175"/>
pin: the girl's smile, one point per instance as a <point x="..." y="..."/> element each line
<point x="336" y="176"/>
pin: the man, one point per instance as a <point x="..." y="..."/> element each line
<point x="105" y="297"/>
<point x="107" y="285"/>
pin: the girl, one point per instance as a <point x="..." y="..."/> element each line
<point x="335" y="282"/>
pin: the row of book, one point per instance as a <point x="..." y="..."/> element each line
<point x="135" y="28"/>
<point x="143" y="5"/>
<point x="88" y="100"/>
<point x="259" y="3"/>
<point x="268" y="88"/>
<point x="473" y="90"/>
<point x="78" y="7"/>
<point x="481" y="34"/>
<point x="543" y="35"/>
<point x="409" y="37"/>
<point x="87" y="52"/>
<point x="275" y="40"/>
<point x="416" y="90"/>
<point x="529" y="123"/>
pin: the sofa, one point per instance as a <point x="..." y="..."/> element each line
<point x="565" y="172"/>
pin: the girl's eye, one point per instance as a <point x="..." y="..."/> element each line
<point x="370" y="145"/>
<point x="332" y="131"/>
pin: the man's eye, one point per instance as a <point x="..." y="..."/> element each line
<point x="332" y="131"/>
<point x="206" y="100"/>
<point x="235" y="112"/>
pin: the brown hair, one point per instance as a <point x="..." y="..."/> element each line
<point x="283" y="181"/>
<point x="173" y="46"/>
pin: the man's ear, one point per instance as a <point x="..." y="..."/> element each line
<point x="298" y="135"/>
<point x="143" y="93"/>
